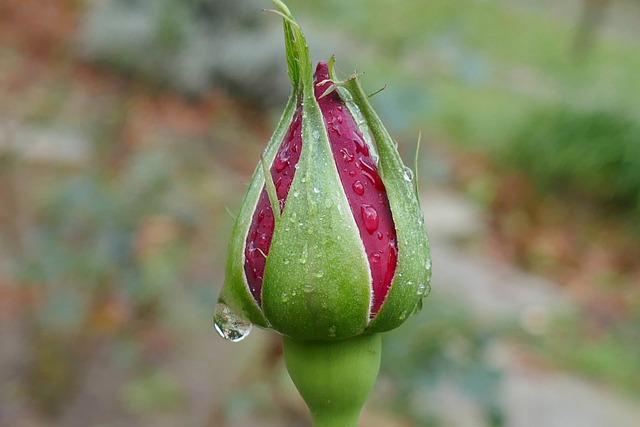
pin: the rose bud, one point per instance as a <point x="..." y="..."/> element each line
<point x="329" y="242"/>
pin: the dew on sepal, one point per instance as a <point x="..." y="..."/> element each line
<point x="407" y="174"/>
<point x="423" y="289"/>
<point x="308" y="287"/>
<point x="229" y="325"/>
<point x="418" y="307"/>
<point x="332" y="331"/>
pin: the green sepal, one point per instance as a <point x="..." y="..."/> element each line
<point x="413" y="269"/>
<point x="235" y="292"/>
<point x="317" y="282"/>
<point x="297" y="50"/>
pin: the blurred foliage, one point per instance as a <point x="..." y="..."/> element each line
<point x="190" y="45"/>
<point x="610" y="355"/>
<point x="154" y="392"/>
<point x="589" y="155"/>
<point x="104" y="256"/>
<point x="445" y="344"/>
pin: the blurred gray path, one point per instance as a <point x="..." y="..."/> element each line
<point x="531" y="397"/>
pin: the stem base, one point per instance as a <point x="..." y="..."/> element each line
<point x="334" y="377"/>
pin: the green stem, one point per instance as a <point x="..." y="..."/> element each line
<point x="334" y="377"/>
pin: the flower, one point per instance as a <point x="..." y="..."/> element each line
<point x="330" y="243"/>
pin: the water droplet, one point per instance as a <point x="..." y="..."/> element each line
<point x="230" y="325"/>
<point x="307" y="287"/>
<point x="316" y="190"/>
<point x="371" y="173"/>
<point x="319" y="274"/>
<point x="370" y="217"/>
<point x="281" y="161"/>
<point x="407" y="174"/>
<point x="285" y="261"/>
<point x="361" y="146"/>
<point x="427" y="264"/>
<point x="380" y="235"/>
<point x="358" y="187"/>
<point x="422" y="288"/>
<point x="346" y="156"/>
<point x="374" y="258"/>
<point x="403" y="315"/>
<point x="332" y="331"/>
<point x="418" y="308"/>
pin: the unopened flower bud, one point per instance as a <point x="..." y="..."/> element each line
<point x="330" y="241"/>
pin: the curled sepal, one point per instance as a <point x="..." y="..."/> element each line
<point x="413" y="271"/>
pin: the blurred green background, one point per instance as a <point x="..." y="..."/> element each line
<point x="128" y="129"/>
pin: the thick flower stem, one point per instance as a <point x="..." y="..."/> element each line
<point x="334" y="377"/>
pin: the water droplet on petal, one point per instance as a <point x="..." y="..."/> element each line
<point x="346" y="156"/>
<point x="361" y="146"/>
<point x="370" y="217"/>
<point x="281" y="161"/>
<point x="358" y="187"/>
<point x="230" y="325"/>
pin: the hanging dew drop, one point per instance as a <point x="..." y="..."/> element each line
<point x="230" y="325"/>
